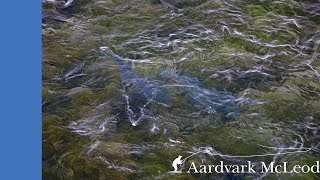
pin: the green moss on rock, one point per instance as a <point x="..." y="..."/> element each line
<point x="256" y="10"/>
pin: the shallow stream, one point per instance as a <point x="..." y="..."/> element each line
<point x="128" y="85"/>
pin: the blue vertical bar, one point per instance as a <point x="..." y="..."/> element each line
<point x="20" y="89"/>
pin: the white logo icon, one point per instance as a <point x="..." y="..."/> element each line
<point x="175" y="164"/>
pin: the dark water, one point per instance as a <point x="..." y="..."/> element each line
<point x="130" y="85"/>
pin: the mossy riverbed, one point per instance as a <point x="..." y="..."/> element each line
<point x="263" y="56"/>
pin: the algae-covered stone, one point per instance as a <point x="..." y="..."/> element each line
<point x="112" y="90"/>
<point x="284" y="106"/>
<point x="185" y="3"/>
<point x="256" y="10"/>
<point x="296" y="100"/>
<point x="83" y="98"/>
<point x="217" y="136"/>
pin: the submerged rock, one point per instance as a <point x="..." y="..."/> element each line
<point x="53" y="10"/>
<point x="184" y="3"/>
<point x="52" y="15"/>
<point x="58" y="3"/>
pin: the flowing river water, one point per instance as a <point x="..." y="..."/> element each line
<point x="128" y="85"/>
